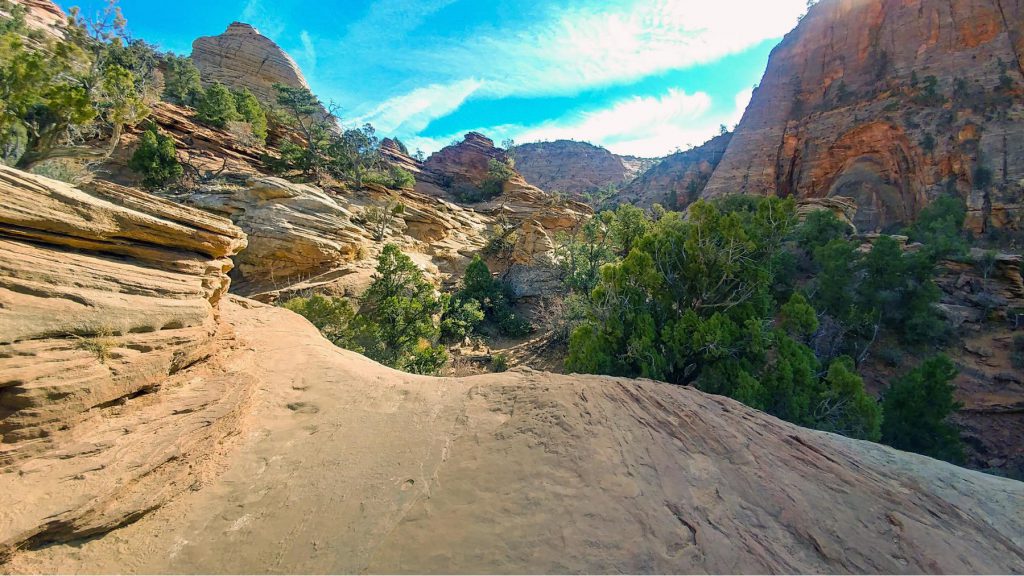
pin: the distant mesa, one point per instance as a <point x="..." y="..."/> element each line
<point x="574" y="167"/>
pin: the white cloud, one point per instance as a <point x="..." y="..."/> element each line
<point x="642" y="126"/>
<point x="307" y="58"/>
<point x="572" y="50"/>
<point x="413" y="111"/>
<point x="266" y="21"/>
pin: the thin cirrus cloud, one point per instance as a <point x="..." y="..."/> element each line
<point x="568" y="51"/>
<point x="591" y="47"/>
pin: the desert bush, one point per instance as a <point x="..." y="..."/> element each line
<point x="216" y="107"/>
<point x="380" y="218"/>
<point x="251" y="111"/>
<point x="156" y="159"/>
<point x="99" y="344"/>
<point x="499" y="363"/>
<point x="335" y="318"/>
<point x="67" y="171"/>
<point x="491" y="297"/>
<point x="182" y="83"/>
<point x="400" y="308"/>
<point x="401" y="179"/>
<point x="916" y="410"/>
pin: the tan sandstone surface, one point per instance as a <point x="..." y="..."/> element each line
<point x="241" y="57"/>
<point x="346" y="466"/>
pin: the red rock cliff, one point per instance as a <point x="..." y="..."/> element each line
<point x="890" y="102"/>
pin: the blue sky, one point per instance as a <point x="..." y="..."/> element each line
<point x="642" y="77"/>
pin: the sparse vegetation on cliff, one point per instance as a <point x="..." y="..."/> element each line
<point x="58" y="97"/>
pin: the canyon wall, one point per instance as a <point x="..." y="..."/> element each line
<point x="891" y="103"/>
<point x="678" y="179"/>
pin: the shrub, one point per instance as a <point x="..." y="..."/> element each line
<point x="819" y="228"/>
<point x="490" y="297"/>
<point x="498" y="173"/>
<point x="460" y="320"/>
<point x="499" y="363"/>
<point x="181" y="81"/>
<point x="156" y="159"/>
<point x="845" y="407"/>
<point x="379" y="218"/>
<point x="63" y="170"/>
<point x="217" y="107"/>
<point x="401" y="179"/>
<point x="250" y="110"/>
<point x="916" y="411"/>
<point x="100" y="344"/>
<point x="939" y="227"/>
<point x="399" y="308"/>
<point x="335" y="318"/>
<point x="582" y="252"/>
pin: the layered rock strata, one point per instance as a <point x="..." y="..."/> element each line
<point x="107" y="298"/>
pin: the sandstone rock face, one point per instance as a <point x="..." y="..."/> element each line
<point x="106" y="298"/>
<point x="305" y="239"/>
<point x="983" y="305"/>
<point x="677" y="180"/>
<point x="572" y="167"/>
<point x="45" y="16"/>
<point x="241" y="57"/>
<point x="344" y="466"/>
<point x="294" y="230"/>
<point x="844" y="208"/>
<point x="207" y="149"/>
<point x="890" y="102"/>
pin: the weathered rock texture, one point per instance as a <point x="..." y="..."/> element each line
<point x="572" y="167"/>
<point x="677" y="180"/>
<point x="890" y="102"/>
<point x="241" y="57"/>
<point x="303" y="238"/>
<point x="106" y="298"/>
<point x="45" y="16"/>
<point x="986" y="308"/>
<point x="344" y="466"/>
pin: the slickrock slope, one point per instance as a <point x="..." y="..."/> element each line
<point x="106" y="298"/>
<point x="345" y="466"/>
<point x="677" y="180"/>
<point x="241" y="57"/>
<point x="890" y="102"/>
<point x="572" y="167"/>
